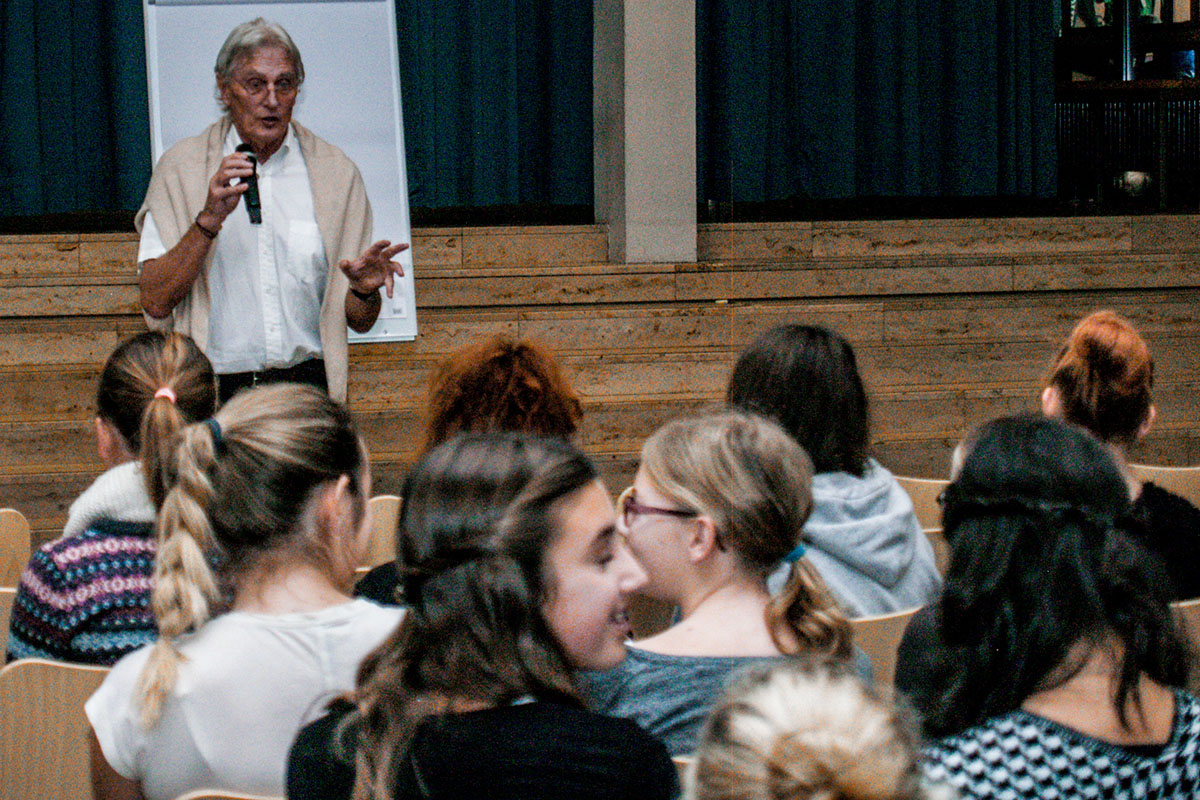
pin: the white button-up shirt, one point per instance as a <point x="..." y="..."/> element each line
<point x="265" y="282"/>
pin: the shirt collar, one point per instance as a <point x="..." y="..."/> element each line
<point x="232" y="140"/>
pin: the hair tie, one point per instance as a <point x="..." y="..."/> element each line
<point x="167" y="392"/>
<point x="214" y="428"/>
<point x="796" y="554"/>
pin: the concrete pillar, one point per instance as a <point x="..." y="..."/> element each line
<point x="644" y="129"/>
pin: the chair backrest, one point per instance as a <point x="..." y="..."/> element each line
<point x="215" y="794"/>
<point x="14" y="545"/>
<point x="941" y="548"/>
<point x="7" y="595"/>
<point x="44" y="749"/>
<point x="1183" y="481"/>
<point x="879" y="637"/>
<point x="385" y="510"/>
<point x="1188" y="614"/>
<point x="683" y="765"/>
<point x="924" y="493"/>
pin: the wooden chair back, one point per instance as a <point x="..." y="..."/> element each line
<point x="7" y="595"/>
<point x="879" y="637"/>
<point x="683" y="767"/>
<point x="1183" y="481"/>
<point x="14" y="545"/>
<point x="1188" y="614"/>
<point x="385" y="511"/>
<point x="44" y="750"/>
<point x="941" y="548"/>
<point x="924" y="493"/>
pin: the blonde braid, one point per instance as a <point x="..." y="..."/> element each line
<point x="184" y="585"/>
<point x="806" y="608"/>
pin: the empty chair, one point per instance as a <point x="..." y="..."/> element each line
<point x="1188" y="614"/>
<point x="1183" y="481"/>
<point x="382" y="548"/>
<point x="7" y="595"/>
<point x="14" y="546"/>
<point x="43" y="731"/>
<point x="924" y="494"/>
<point x="879" y="637"/>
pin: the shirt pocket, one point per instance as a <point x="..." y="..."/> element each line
<point x="306" y="263"/>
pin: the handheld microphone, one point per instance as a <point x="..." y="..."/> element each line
<point x="253" y="203"/>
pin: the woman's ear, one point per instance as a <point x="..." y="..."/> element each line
<point x="341" y="523"/>
<point x="703" y="540"/>
<point x="1051" y="402"/>
<point x="1148" y="423"/>
<point x="111" y="445"/>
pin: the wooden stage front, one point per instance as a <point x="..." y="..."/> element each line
<point x="954" y="321"/>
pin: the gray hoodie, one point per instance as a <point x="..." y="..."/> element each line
<point x="867" y="545"/>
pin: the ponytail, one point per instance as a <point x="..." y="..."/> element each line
<point x="185" y="588"/>
<point x="805" y="609"/>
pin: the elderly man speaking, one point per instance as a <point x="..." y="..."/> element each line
<point x="267" y="294"/>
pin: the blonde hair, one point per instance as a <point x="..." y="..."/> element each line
<point x="754" y="482"/>
<point x="240" y="493"/>
<point x="806" y="729"/>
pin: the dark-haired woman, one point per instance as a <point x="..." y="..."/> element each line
<point x="1102" y="380"/>
<point x="85" y="597"/>
<point x="865" y="540"/>
<point x="515" y="578"/>
<point x="1051" y="664"/>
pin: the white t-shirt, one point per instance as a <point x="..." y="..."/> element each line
<point x="266" y="282"/>
<point x="248" y="683"/>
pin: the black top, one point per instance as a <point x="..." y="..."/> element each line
<point x="531" y="751"/>
<point x="1170" y="528"/>
<point x="380" y="585"/>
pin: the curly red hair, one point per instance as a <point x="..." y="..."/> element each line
<point x="501" y="385"/>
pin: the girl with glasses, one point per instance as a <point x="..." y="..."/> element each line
<point x="718" y="503"/>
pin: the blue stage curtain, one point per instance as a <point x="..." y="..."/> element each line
<point x="497" y="103"/>
<point x="74" y="129"/>
<point x="829" y="100"/>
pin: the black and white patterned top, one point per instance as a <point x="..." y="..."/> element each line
<point x="1018" y="755"/>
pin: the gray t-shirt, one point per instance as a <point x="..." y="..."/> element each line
<point x="670" y="696"/>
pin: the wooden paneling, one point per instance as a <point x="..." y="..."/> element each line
<point x="954" y="322"/>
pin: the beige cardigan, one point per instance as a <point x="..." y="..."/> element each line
<point x="179" y="187"/>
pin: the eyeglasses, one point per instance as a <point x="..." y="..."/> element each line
<point x="630" y="509"/>
<point x="258" y="88"/>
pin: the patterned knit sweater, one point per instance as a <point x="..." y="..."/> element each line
<point x="1018" y="755"/>
<point x="85" y="597"/>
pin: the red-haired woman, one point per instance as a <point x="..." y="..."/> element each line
<point x="1101" y="380"/>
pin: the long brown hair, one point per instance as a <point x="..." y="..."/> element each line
<point x="1104" y="375"/>
<point x="130" y="399"/>
<point x="754" y="481"/>
<point x="479" y="513"/>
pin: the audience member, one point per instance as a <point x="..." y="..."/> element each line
<point x="497" y="384"/>
<point x="274" y="489"/>
<point x="865" y="539"/>
<point x="85" y="597"/>
<point x="1050" y="664"/>
<point x="515" y="578"/>
<point x="718" y="503"/>
<point x="1102" y="380"/>
<point x="807" y="730"/>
